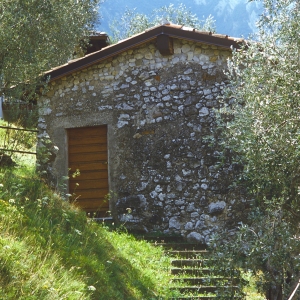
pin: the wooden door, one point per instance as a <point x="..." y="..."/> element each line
<point x="87" y="153"/>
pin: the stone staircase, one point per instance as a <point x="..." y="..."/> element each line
<point x="192" y="276"/>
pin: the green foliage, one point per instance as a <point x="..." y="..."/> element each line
<point x="50" y="250"/>
<point x="36" y="35"/>
<point x="263" y="106"/>
<point x="132" y="22"/>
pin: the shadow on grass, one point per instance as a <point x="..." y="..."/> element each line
<point x="112" y="265"/>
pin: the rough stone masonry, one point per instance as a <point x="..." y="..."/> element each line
<point x="164" y="174"/>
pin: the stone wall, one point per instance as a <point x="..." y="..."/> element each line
<point x="159" y="111"/>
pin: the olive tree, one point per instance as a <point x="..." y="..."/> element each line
<point x="263" y="130"/>
<point x="132" y="22"/>
<point x="36" y="35"/>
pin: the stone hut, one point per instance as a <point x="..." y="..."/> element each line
<point x="129" y="125"/>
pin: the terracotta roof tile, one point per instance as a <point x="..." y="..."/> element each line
<point x="173" y="30"/>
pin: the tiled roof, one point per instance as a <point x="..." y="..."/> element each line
<point x="171" y="30"/>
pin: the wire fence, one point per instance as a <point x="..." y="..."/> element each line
<point x="3" y="148"/>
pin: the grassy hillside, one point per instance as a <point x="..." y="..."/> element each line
<point x="49" y="250"/>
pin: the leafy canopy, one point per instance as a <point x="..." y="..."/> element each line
<point x="132" y="22"/>
<point x="264" y="132"/>
<point x="36" y="35"/>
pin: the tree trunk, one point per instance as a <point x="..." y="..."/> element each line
<point x="275" y="292"/>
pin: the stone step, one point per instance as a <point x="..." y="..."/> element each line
<point x="102" y="219"/>
<point x="105" y="221"/>
<point x="181" y="246"/>
<point x="191" y="271"/>
<point x="188" y="261"/>
<point x="202" y="289"/>
<point x="202" y="297"/>
<point x="199" y="263"/>
<point x="192" y="277"/>
<point x="161" y="239"/>
<point x="199" y="281"/>
<point x="193" y="254"/>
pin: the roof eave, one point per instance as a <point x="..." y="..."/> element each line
<point x="144" y="37"/>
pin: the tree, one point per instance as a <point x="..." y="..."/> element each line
<point x="132" y="22"/>
<point x="264" y="108"/>
<point x="36" y="35"/>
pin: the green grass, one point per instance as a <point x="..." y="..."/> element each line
<point x="250" y="290"/>
<point x="49" y="250"/>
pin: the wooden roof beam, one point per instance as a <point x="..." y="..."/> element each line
<point x="164" y="44"/>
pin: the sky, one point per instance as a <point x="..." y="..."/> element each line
<point x="233" y="17"/>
